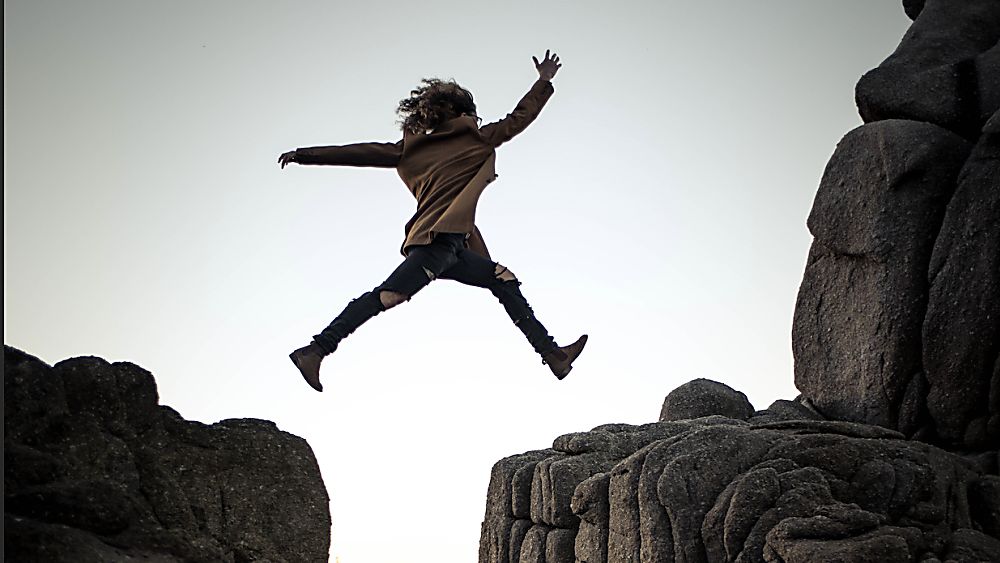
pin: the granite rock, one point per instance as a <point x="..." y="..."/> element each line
<point x="96" y="470"/>
<point x="856" y="334"/>
<point x="795" y="490"/>
<point x="946" y="69"/>
<point x="704" y="397"/>
<point x="961" y="331"/>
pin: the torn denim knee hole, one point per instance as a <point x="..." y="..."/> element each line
<point x="393" y="297"/>
<point x="500" y="270"/>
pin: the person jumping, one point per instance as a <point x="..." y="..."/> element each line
<point x="446" y="160"/>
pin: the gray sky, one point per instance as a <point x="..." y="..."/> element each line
<point x="658" y="204"/>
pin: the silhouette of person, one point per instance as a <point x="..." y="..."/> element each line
<point x="446" y="160"/>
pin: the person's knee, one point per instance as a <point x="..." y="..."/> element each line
<point x="390" y="298"/>
<point x="503" y="274"/>
<point x="505" y="283"/>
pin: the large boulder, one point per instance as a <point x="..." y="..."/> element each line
<point x="95" y="470"/>
<point x="856" y="334"/>
<point x="945" y="71"/>
<point x="704" y="397"/>
<point x="961" y="332"/>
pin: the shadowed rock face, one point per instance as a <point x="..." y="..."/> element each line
<point x="961" y="331"/>
<point x="897" y="321"/>
<point x="95" y="470"/>
<point x="860" y="310"/>
<point x="945" y="71"/>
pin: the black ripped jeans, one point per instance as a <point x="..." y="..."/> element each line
<point x="446" y="258"/>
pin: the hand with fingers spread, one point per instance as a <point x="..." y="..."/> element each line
<point x="286" y="158"/>
<point x="549" y="66"/>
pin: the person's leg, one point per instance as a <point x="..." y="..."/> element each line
<point x="473" y="269"/>
<point x="419" y="268"/>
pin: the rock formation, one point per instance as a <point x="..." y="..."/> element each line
<point x="782" y="484"/>
<point x="898" y="316"/>
<point x="890" y="454"/>
<point x="857" y="329"/>
<point x="95" y="471"/>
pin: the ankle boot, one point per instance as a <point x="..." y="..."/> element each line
<point x="560" y="360"/>
<point x="307" y="359"/>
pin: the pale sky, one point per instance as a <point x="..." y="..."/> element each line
<point x="657" y="204"/>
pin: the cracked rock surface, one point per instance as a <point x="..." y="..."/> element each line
<point x="772" y="488"/>
<point x="96" y="470"/>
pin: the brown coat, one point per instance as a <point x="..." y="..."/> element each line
<point x="446" y="169"/>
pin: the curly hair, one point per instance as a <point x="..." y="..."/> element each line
<point x="433" y="102"/>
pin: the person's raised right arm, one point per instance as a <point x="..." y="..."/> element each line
<point x="530" y="105"/>
<point x="382" y="155"/>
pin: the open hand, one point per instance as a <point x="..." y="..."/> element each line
<point x="548" y="67"/>
<point x="286" y="158"/>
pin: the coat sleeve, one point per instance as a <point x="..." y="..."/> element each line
<point x="383" y="155"/>
<point x="522" y="116"/>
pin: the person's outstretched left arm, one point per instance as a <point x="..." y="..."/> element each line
<point x="382" y="155"/>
